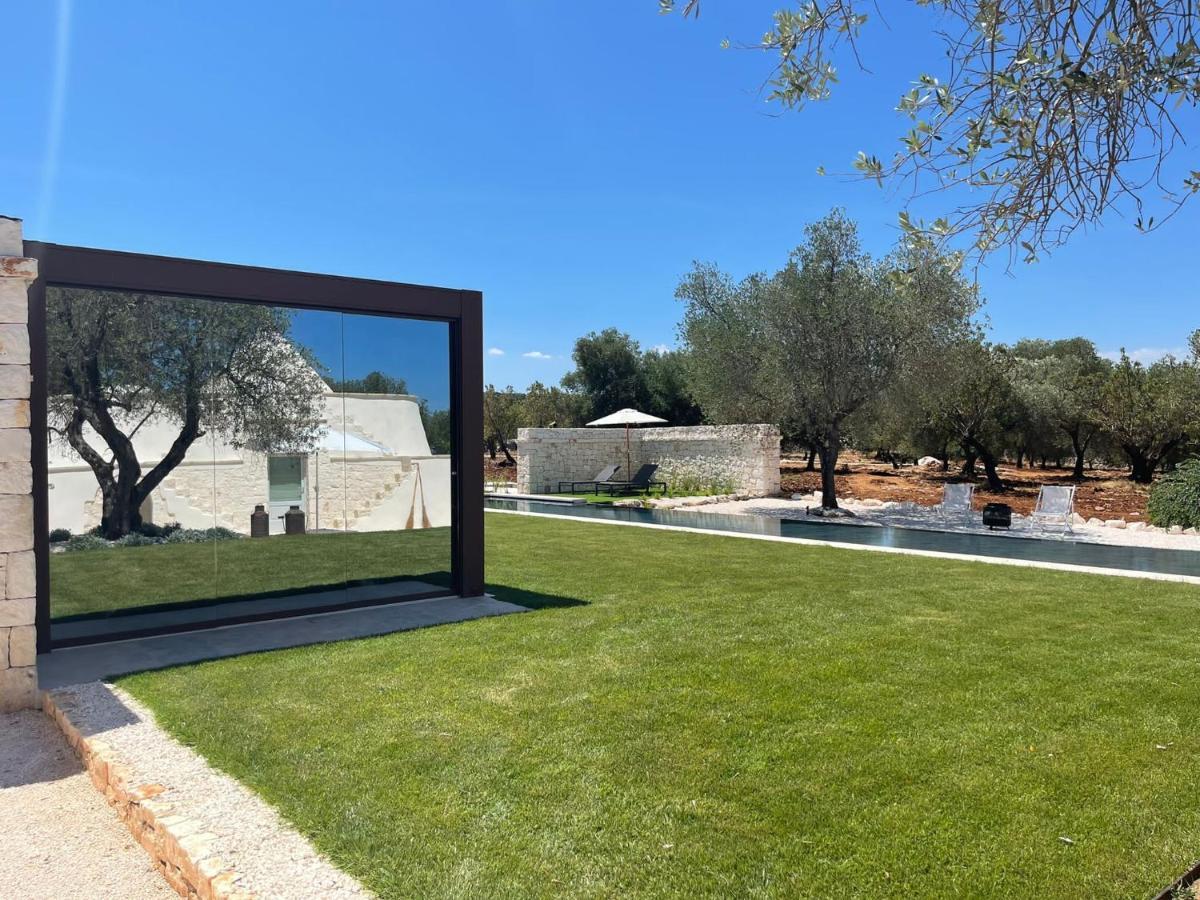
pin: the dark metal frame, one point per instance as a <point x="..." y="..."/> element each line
<point x="66" y="266"/>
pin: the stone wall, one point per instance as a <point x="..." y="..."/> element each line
<point x="18" y="644"/>
<point x="736" y="459"/>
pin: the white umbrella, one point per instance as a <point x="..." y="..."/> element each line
<point x="627" y="417"/>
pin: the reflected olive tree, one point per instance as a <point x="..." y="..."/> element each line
<point x="119" y="361"/>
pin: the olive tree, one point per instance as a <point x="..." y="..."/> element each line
<point x="1060" y="381"/>
<point x="118" y="362"/>
<point x="815" y="343"/>
<point x="1150" y="411"/>
<point x="1049" y="114"/>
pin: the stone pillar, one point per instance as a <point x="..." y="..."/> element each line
<point x="18" y="653"/>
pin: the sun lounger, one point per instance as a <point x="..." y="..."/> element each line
<point x="1055" y="505"/>
<point x="604" y="476"/>
<point x="956" y="500"/>
<point x="643" y="480"/>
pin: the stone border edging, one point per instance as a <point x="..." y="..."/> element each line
<point x="178" y="845"/>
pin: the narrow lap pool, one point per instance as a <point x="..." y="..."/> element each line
<point x="1057" y="551"/>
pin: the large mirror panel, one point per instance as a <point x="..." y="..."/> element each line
<point x="397" y="465"/>
<point x="284" y="423"/>
<point x="129" y="460"/>
<point x="215" y="461"/>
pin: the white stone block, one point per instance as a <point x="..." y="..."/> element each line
<point x="14" y="344"/>
<point x="20" y="578"/>
<point x="16" y="478"/>
<point x="11" y="241"/>
<point x="16" y="523"/>
<point x="14" y="444"/>
<point x="14" y="382"/>
<point x="17" y="612"/>
<point x="14" y="413"/>
<point x="22" y="646"/>
<point x="1114" y="523"/>
<point x="14" y="301"/>
<point x="18" y="688"/>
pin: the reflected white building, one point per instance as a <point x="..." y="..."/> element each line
<point x="370" y="469"/>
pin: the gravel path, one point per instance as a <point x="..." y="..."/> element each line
<point x="58" y="836"/>
<point x="273" y="860"/>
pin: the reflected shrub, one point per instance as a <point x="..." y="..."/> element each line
<point x="86" y="542"/>
<point x="135" y="539"/>
<point x="200" y="535"/>
<point x="58" y="535"/>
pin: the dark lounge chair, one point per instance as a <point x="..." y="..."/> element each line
<point x="643" y="480"/>
<point x="604" y="476"/>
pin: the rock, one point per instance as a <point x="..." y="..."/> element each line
<point x="1190" y="531"/>
<point x="1136" y="526"/>
<point x="870" y="503"/>
<point x="1077" y="519"/>
<point x="929" y="462"/>
<point x="1175" y="529"/>
<point x="1114" y="523"/>
<point x="1095" y="523"/>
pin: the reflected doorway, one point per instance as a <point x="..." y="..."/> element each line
<point x="285" y="488"/>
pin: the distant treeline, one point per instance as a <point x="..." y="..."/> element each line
<point x="888" y="356"/>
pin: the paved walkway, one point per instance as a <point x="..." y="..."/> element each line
<point x="58" y="836"/>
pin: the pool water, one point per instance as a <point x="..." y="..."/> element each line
<point x="1059" y="550"/>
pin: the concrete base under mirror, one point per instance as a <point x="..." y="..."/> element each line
<point x="75" y="665"/>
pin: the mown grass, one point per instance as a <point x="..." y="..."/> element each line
<point x="102" y="581"/>
<point x="696" y="715"/>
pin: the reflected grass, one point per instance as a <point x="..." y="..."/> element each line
<point x="105" y="581"/>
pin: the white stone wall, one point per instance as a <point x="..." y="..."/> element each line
<point x="18" y="644"/>
<point x="738" y="459"/>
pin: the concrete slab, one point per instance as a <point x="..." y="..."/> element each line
<point x="76" y="665"/>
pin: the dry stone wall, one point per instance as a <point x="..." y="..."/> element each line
<point x="18" y="634"/>
<point x="726" y="459"/>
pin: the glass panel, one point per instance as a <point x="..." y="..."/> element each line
<point x="397" y="456"/>
<point x="279" y="417"/>
<point x="130" y="461"/>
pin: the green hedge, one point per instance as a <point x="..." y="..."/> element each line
<point x="1175" y="498"/>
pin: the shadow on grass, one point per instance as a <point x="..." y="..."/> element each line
<point x="532" y="599"/>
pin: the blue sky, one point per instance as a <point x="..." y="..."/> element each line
<point x="569" y="160"/>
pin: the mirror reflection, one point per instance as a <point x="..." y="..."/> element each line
<point x="210" y="460"/>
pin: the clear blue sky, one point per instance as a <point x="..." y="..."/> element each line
<point x="570" y="160"/>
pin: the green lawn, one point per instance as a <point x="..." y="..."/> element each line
<point x="696" y="715"/>
<point x="100" y="581"/>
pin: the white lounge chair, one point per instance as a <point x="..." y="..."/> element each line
<point x="956" y="500"/>
<point x="1055" y="506"/>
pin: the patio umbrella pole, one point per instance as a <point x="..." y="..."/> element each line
<point x="628" y="417"/>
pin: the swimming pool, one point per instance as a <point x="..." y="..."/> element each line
<point x="1057" y="551"/>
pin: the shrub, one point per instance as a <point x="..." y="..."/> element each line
<point x="58" y="535"/>
<point x="1175" y="498"/>
<point x="86" y="542"/>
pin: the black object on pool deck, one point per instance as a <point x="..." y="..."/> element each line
<point x="1061" y="551"/>
<point x="997" y="515"/>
